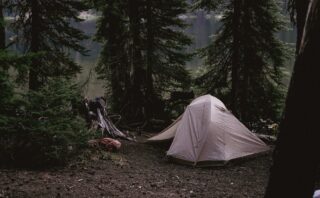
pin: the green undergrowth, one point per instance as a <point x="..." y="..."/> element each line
<point x="42" y="128"/>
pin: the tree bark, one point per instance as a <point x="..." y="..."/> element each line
<point x="138" y="73"/>
<point x="113" y="50"/>
<point x="296" y="156"/>
<point x="301" y="10"/>
<point x="34" y="76"/>
<point x="150" y="51"/>
<point x="236" y="55"/>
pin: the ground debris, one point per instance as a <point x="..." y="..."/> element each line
<point x="138" y="170"/>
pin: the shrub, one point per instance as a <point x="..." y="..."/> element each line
<point x="43" y="127"/>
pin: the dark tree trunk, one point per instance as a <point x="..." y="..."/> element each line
<point x="137" y="71"/>
<point x="296" y="156"/>
<point x="34" y="75"/>
<point x="150" y="51"/>
<point x="301" y="10"/>
<point x="244" y="85"/>
<point x="113" y="50"/>
<point x="135" y="51"/>
<point x="2" y="27"/>
<point x="243" y="106"/>
<point x="235" y="55"/>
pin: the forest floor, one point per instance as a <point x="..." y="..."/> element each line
<point x="138" y="170"/>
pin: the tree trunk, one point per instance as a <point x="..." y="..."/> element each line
<point x="150" y="51"/>
<point x="243" y="104"/>
<point x="296" y="156"/>
<point x="113" y="50"/>
<point x="2" y="28"/>
<point x="34" y="75"/>
<point x="301" y="9"/>
<point x="235" y="55"/>
<point x="137" y="70"/>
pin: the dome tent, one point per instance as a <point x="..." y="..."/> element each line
<point x="208" y="134"/>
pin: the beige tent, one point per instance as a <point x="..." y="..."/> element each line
<point x="207" y="132"/>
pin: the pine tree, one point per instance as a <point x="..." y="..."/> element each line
<point x="15" y="63"/>
<point x="41" y="124"/>
<point x="2" y="27"/>
<point x="135" y="94"/>
<point x="244" y="62"/>
<point x="299" y="134"/>
<point x="165" y="43"/>
<point x="209" y="5"/>
<point x="142" y="55"/>
<point x="6" y="87"/>
<point x="38" y="127"/>
<point x="113" y="65"/>
<point x="44" y="27"/>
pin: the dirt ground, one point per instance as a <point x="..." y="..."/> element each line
<point x="138" y="170"/>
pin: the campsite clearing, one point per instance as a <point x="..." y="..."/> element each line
<point x="138" y="170"/>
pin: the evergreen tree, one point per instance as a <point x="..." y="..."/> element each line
<point x="121" y="64"/>
<point x="44" y="26"/>
<point x="2" y="27"/>
<point x="142" y="55"/>
<point x="6" y="87"/>
<point x="113" y="65"/>
<point x="245" y="60"/>
<point x="299" y="134"/>
<point x="165" y="42"/>
<point x="209" y="5"/>
<point x="39" y="127"/>
<point x="135" y="93"/>
<point x="7" y="82"/>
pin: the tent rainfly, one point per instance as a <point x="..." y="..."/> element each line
<point x="208" y="134"/>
